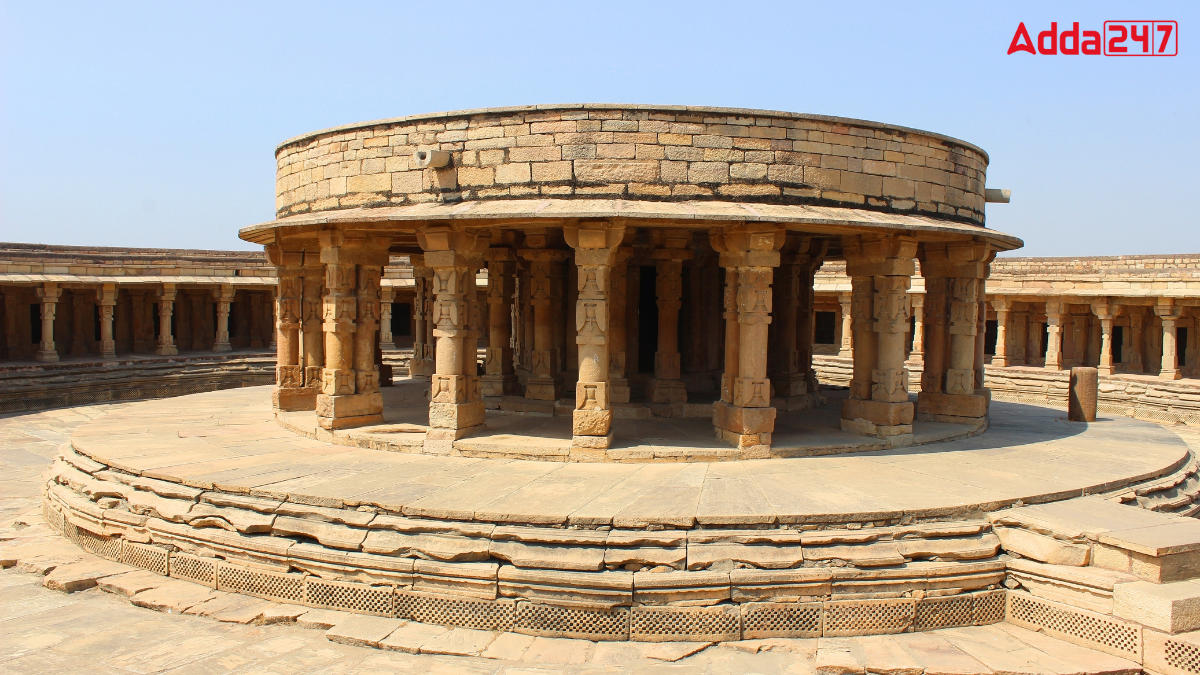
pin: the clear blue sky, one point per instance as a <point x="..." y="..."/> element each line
<point x="154" y="124"/>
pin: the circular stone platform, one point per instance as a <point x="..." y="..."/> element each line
<point x="208" y="487"/>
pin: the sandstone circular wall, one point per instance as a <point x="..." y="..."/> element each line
<point x="634" y="152"/>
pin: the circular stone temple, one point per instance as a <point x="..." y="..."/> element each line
<point x="653" y="261"/>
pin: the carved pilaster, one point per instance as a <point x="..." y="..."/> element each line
<point x="543" y="363"/>
<point x="1169" y="314"/>
<point x="667" y="387"/>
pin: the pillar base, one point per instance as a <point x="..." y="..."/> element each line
<point x="166" y="350"/>
<point x="451" y="421"/>
<point x="799" y="402"/>
<point x="1104" y="370"/>
<point x="420" y="368"/>
<point x="882" y="419"/>
<point x="541" y="388"/>
<point x="958" y="408"/>
<point x="999" y="361"/>
<point x="618" y="390"/>
<point x="592" y="442"/>
<point x="47" y="356"/>
<point x="1169" y="374"/>
<point x="294" y="398"/>
<point x="349" y="410"/>
<point x="666" y="391"/>
<point x="222" y="347"/>
<point x="497" y="385"/>
<point x="745" y="428"/>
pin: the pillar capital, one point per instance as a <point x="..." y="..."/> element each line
<point x="48" y="292"/>
<point x="956" y="259"/>
<point x="752" y="245"/>
<point x="595" y="243"/>
<point x="1167" y="310"/>
<point x="1000" y="303"/>
<point x="106" y="295"/>
<point x="1103" y="310"/>
<point x="880" y="255"/>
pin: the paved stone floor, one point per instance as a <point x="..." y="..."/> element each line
<point x="48" y="631"/>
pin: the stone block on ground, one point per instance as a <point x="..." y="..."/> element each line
<point x="173" y="596"/>
<point x="362" y="630"/>
<point x="1171" y="608"/>
<point x="81" y="575"/>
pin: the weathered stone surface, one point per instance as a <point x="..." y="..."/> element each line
<point x="1043" y="548"/>
<point x="130" y="583"/>
<point x="1171" y="607"/>
<point x="357" y="629"/>
<point x="173" y="596"/>
<point x="329" y="534"/>
<point x="236" y="519"/>
<point x="81" y="575"/>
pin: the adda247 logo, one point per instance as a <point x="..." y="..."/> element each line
<point x="1119" y="38"/>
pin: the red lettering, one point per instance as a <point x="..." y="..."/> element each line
<point x="1090" y="43"/>
<point x="1074" y="35"/>
<point x="1051" y="37"/>
<point x="1143" y="36"/>
<point x="1021" y="41"/>
<point x="1114" y="42"/>
<point x="1165" y="29"/>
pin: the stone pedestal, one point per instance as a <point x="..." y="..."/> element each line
<point x="744" y="416"/>
<point x="455" y="402"/>
<point x="880" y="270"/>
<point x="1084" y="387"/>
<point x="106" y="302"/>
<point x="166" y="307"/>
<point x="595" y="247"/>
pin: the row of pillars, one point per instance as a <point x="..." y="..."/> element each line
<point x="49" y="293"/>
<point x="1167" y="312"/>
<point x="327" y="360"/>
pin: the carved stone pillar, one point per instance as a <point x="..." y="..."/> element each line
<point x="618" y="383"/>
<point x="1000" y="358"/>
<point x="667" y="387"/>
<point x="541" y="384"/>
<point x="421" y="364"/>
<point x="917" y="304"/>
<point x="106" y="303"/>
<point x="595" y="247"/>
<point x="312" y="338"/>
<point x="1133" y="341"/>
<point x="223" y="297"/>
<point x="792" y="373"/>
<point x="386" y="296"/>
<point x="846" y="301"/>
<point x="48" y="293"/>
<point x="455" y="402"/>
<point x="1053" y="335"/>
<point x="289" y="391"/>
<point x="954" y="278"/>
<point x="166" y="306"/>
<point x="499" y="378"/>
<point x="880" y="270"/>
<point x="349" y="381"/>
<point x="1104" y="313"/>
<point x="1169" y="314"/>
<point x="744" y="416"/>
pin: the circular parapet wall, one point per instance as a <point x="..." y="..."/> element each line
<point x="651" y="153"/>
